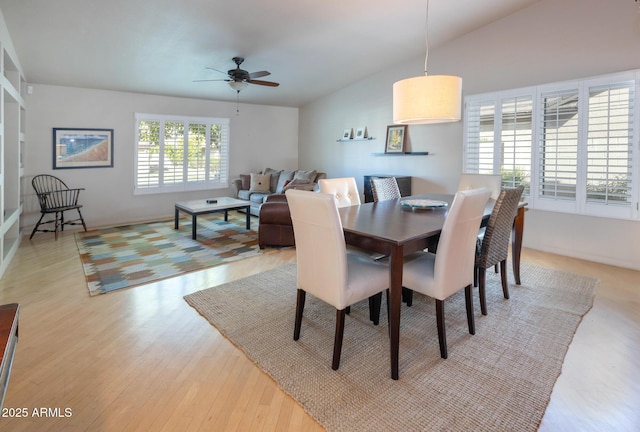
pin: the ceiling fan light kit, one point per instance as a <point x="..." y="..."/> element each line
<point x="429" y="98"/>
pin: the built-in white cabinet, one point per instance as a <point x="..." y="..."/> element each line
<point x="12" y="148"/>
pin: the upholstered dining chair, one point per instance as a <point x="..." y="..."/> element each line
<point x="55" y="198"/>
<point x="385" y="189"/>
<point x="452" y="268"/>
<point x="345" y="190"/>
<point x="493" y="244"/>
<point x="475" y="181"/>
<point x="325" y="270"/>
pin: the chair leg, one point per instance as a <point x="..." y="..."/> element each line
<point x="442" y="335"/>
<point x="337" y="344"/>
<point x="35" y="228"/>
<point x="468" y="299"/>
<point x="299" y="309"/>
<point x="375" y="303"/>
<point x="82" y="220"/>
<point x="57" y="224"/>
<point x="407" y="296"/>
<point x="482" y="279"/>
<point x="503" y="278"/>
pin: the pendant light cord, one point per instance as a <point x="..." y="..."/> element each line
<point x="426" y="37"/>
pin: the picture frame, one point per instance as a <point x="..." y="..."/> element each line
<point x="82" y="148"/>
<point x="361" y="132"/>
<point x="396" y="138"/>
<point x="347" y="134"/>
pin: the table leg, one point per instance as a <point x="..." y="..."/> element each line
<point x="193" y="225"/>
<point x="175" y="224"/>
<point x="395" y="297"/>
<point x="226" y="215"/>
<point x="248" y="218"/>
<point x="516" y="243"/>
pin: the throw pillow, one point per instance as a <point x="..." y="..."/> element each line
<point x="275" y="175"/>
<point x="283" y="180"/>
<point x="246" y="181"/>
<point x="260" y="182"/>
<point x="309" y="176"/>
<point x="300" y="185"/>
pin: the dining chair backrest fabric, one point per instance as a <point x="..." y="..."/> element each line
<point x="495" y="242"/>
<point x="475" y="181"/>
<point x="320" y="246"/>
<point x="385" y="188"/>
<point x="455" y="259"/>
<point x="345" y="190"/>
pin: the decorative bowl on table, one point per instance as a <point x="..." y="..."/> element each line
<point x="422" y="204"/>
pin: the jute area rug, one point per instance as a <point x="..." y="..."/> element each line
<point x="499" y="379"/>
<point x="132" y="255"/>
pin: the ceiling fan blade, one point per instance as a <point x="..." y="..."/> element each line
<point x="221" y="79"/>
<point x="264" y="83"/>
<point x="216" y="70"/>
<point x="258" y="74"/>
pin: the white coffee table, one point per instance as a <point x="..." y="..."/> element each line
<point x="199" y="207"/>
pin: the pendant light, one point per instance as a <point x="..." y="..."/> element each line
<point x="429" y="98"/>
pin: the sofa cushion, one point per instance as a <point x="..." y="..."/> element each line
<point x="309" y="176"/>
<point x="275" y="176"/>
<point x="246" y="181"/>
<point x="244" y="194"/>
<point x="260" y="182"/>
<point x="259" y="197"/>
<point x="283" y="180"/>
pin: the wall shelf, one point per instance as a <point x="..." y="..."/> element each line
<point x="354" y="139"/>
<point x="402" y="154"/>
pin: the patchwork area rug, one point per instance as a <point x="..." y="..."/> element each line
<point x="499" y="379"/>
<point x="126" y="256"/>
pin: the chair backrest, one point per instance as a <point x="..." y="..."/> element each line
<point x="344" y="190"/>
<point x="495" y="244"/>
<point x="53" y="193"/>
<point x="475" y="181"/>
<point x="44" y="183"/>
<point x="455" y="259"/>
<point x="320" y="246"/>
<point x="385" y="188"/>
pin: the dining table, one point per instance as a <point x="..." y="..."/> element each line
<point x="395" y="230"/>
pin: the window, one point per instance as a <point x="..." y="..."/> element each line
<point x="574" y="146"/>
<point x="181" y="153"/>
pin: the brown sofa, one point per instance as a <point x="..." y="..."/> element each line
<point x="275" y="227"/>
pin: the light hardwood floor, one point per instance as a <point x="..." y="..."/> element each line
<point x="143" y="360"/>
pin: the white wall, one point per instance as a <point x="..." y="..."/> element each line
<point x="261" y="136"/>
<point x="553" y="40"/>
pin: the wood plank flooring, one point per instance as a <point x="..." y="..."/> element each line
<point x="143" y="360"/>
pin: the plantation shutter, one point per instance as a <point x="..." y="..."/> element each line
<point x="559" y="145"/>
<point x="516" y="132"/>
<point x="148" y="151"/>
<point x="610" y="144"/>
<point x="479" y="138"/>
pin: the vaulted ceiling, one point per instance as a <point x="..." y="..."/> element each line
<point x="162" y="46"/>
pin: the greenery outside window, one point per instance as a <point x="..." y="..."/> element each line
<point x="175" y="153"/>
<point x="573" y="145"/>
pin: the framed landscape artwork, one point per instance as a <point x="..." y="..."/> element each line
<point x="395" y="139"/>
<point x="82" y="148"/>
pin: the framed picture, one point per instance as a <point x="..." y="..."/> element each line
<point x="395" y="139"/>
<point x="347" y="134"/>
<point x="361" y="133"/>
<point x="82" y="148"/>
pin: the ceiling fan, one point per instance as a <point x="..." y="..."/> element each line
<point x="240" y="78"/>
